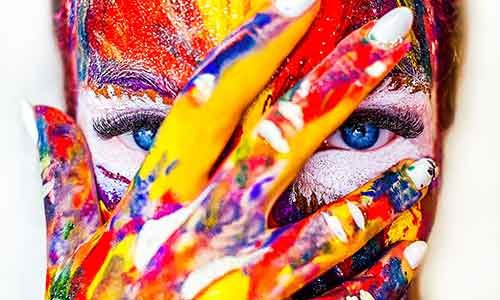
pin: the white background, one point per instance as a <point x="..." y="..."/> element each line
<point x="464" y="257"/>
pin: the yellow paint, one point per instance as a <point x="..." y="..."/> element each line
<point x="256" y="110"/>
<point x="405" y="227"/>
<point x="203" y="129"/>
<point x="221" y="17"/>
<point x="234" y="285"/>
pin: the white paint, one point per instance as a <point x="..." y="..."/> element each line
<point x="293" y="8"/>
<point x="111" y="91"/>
<point x="422" y="172"/>
<point x="202" y="277"/>
<point x="414" y="254"/>
<point x="351" y="298"/>
<point x="47" y="188"/>
<point x="205" y="84"/>
<point x="376" y="69"/>
<point x="272" y="134"/>
<point x="357" y="215"/>
<point x="155" y="232"/>
<point x="364" y="295"/>
<point x="293" y="113"/>
<point x="304" y="88"/>
<point x="392" y="27"/>
<point x="335" y="226"/>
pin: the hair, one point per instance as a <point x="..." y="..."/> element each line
<point x="449" y="33"/>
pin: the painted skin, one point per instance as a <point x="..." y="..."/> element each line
<point x="334" y="171"/>
<point x="111" y="108"/>
<point x="325" y="99"/>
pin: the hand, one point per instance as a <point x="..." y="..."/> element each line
<point x="159" y="242"/>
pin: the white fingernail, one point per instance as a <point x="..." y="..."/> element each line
<point x="422" y="172"/>
<point x="293" y="8"/>
<point x="357" y="215"/>
<point x="292" y="112"/>
<point x="28" y="117"/>
<point x="205" y="84"/>
<point x="272" y="134"/>
<point x="335" y="226"/>
<point x="364" y="295"/>
<point x="415" y="253"/>
<point x="392" y="27"/>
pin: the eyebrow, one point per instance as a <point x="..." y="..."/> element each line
<point x="131" y="75"/>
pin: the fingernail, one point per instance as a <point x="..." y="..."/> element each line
<point x="422" y="172"/>
<point x="28" y="117"/>
<point x="293" y="8"/>
<point x="415" y="253"/>
<point x="391" y="29"/>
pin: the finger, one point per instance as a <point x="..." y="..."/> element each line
<point x="404" y="228"/>
<point x="388" y="279"/>
<point x="210" y="106"/>
<point x="346" y="270"/>
<point x="194" y="133"/>
<point x="69" y="193"/>
<point x="304" y="250"/>
<point x="243" y="189"/>
<point x="266" y="160"/>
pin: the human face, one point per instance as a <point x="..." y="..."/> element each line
<point x="134" y="57"/>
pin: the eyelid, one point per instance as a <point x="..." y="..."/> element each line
<point x="120" y="122"/>
<point x="407" y="124"/>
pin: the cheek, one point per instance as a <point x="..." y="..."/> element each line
<point x="331" y="174"/>
<point x="115" y="163"/>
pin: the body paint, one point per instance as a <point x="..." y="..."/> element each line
<point x="387" y="280"/>
<point x="234" y="213"/>
<point x="294" y="255"/>
<point x="112" y="248"/>
<point x="69" y="194"/>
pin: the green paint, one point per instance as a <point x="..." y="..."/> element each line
<point x="67" y="229"/>
<point x="60" y="287"/>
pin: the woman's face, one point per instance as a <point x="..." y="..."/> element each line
<point x="134" y="57"/>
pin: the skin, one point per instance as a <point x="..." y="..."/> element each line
<point x="314" y="186"/>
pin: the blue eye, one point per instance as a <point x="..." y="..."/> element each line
<point x="360" y="136"/>
<point x="144" y="137"/>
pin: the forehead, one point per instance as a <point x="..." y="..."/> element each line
<point x="169" y="38"/>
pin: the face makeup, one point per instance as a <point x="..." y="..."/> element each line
<point x="132" y="60"/>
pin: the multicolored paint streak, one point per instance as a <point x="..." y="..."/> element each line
<point x="69" y="194"/>
<point x="160" y="245"/>
<point x="387" y="279"/>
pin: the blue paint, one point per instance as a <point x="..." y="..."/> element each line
<point x="171" y="167"/>
<point x="276" y="234"/>
<point x="395" y="284"/>
<point x="239" y="44"/>
<point x="401" y="195"/>
<point x="256" y="190"/>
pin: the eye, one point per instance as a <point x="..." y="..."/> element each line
<point x="144" y="137"/>
<point x="136" y="129"/>
<point x="360" y="136"/>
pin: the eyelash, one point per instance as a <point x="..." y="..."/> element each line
<point x="123" y="122"/>
<point x="389" y="125"/>
<point x="405" y="124"/>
